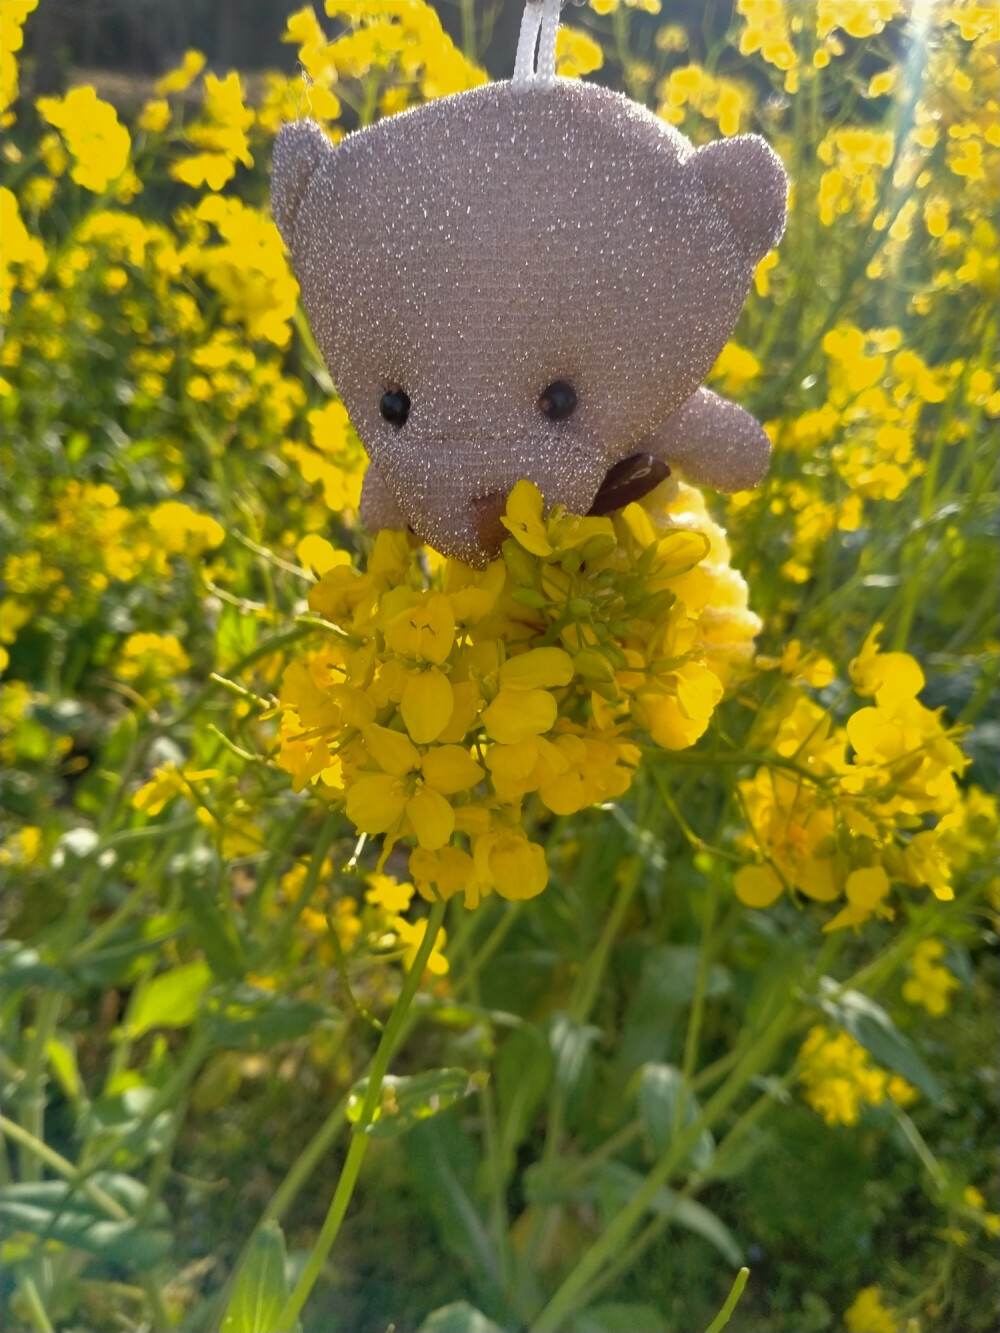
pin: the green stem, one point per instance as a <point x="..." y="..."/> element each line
<point x="299" y="1173"/>
<point x="693" y="1034"/>
<point x="725" y="1314"/>
<point x="489" y="947"/>
<point x="620" y="1139"/>
<point x="360" y="1140"/>
<point x="33" y="1089"/>
<point x="277" y="946"/>
<point x="33" y="1301"/>
<point x="62" y="1167"/>
<point x="148" y="880"/>
<point x="593" y="971"/>
<point x="581" y="1003"/>
<point x="565" y="1300"/>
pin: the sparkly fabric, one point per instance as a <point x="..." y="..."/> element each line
<point x="475" y="250"/>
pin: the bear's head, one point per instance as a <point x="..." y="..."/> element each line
<point x="521" y="283"/>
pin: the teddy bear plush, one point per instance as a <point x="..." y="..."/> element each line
<point x="530" y="279"/>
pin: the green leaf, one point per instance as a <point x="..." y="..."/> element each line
<point x="870" y="1026"/>
<point x="523" y="1072"/>
<point x="117" y="1242"/>
<point x="53" y="1209"/>
<point x="653" y="1027"/>
<point x="119" y="963"/>
<point x="458" y="1317"/>
<point x="407" y="1100"/>
<point x="120" y="1121"/>
<point x="61" y="1056"/>
<point x="446" y="1167"/>
<point x="261" y="1288"/>
<point x="23" y="967"/>
<point x="132" y="1194"/>
<point x="659" y="1089"/>
<point x="570" y="1043"/>
<point x="619" y="1183"/>
<point x="215" y="928"/>
<point x="253" y="1019"/>
<point x="169" y="1000"/>
<point x="235" y="636"/>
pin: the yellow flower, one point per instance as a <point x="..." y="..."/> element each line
<point x="426" y="705"/>
<point x="766" y="31"/>
<point x="517" y="714"/>
<point x="543" y="666"/>
<point x="973" y="1198"/>
<point x="576" y="53"/>
<point x="858" y="18"/>
<point x="411" y="936"/>
<point x="155" y="116"/>
<point x="523" y="519"/>
<point x="838" y="1077"/>
<point x="865" y="889"/>
<point x="150" y="661"/>
<point x="319" y="555"/>
<point x="929" y="984"/>
<point x="220" y="136"/>
<point x="98" y="143"/>
<point x="424" y="629"/>
<point x="680" y="714"/>
<point x="181" y="530"/>
<point x="410" y="784"/>
<point x="793" y="824"/>
<point x="512" y="864"/>
<point x="12" y="16"/>
<point x="444" y="872"/>
<point x="167" y="782"/>
<point x="758" y="885"/>
<point x="385" y="893"/>
<point x="806" y="668"/>
<point x="867" y="1314"/>
<point x="735" y="368"/>
<point x="20" y="250"/>
<point x="22" y="847"/>
<point x="248" y="268"/>
<point x="180" y="79"/>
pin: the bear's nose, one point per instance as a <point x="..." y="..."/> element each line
<point x="629" y="480"/>
<point x="486" y="512"/>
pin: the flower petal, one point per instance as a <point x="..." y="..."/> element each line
<point x="426" y="705"/>
<point x="539" y="668"/>
<point x="432" y="818"/>
<point x="514" y="715"/>
<point x="391" y="750"/>
<point x="757" y="886"/>
<point x="375" y="802"/>
<point x="524" y="518"/>
<point x="450" y="768"/>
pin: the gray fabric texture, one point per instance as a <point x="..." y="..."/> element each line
<point x="480" y="247"/>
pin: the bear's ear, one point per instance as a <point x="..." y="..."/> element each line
<point x="299" y="151"/>
<point x="746" y="178"/>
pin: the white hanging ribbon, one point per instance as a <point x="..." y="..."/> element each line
<point x="540" y="16"/>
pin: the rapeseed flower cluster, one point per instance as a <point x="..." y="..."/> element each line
<point x="867" y="1313"/>
<point x="439" y="706"/>
<point x="929" y="984"/>
<point x="839" y="1078"/>
<point x="846" y="811"/>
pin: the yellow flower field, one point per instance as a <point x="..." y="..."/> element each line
<point x="394" y="943"/>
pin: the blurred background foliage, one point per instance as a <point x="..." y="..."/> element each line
<point x="196" y="956"/>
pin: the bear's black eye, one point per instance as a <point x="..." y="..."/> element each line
<point x="558" y="400"/>
<point x="395" y="406"/>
